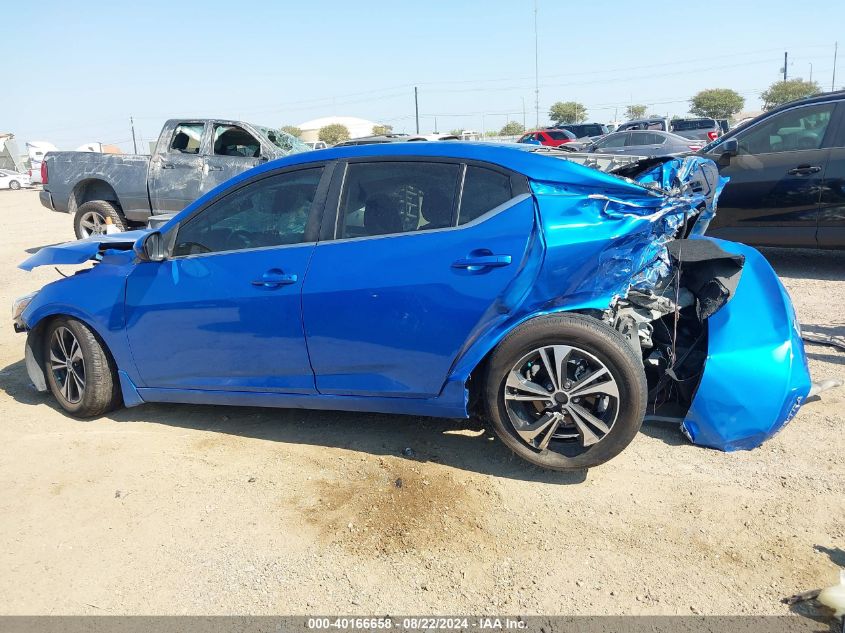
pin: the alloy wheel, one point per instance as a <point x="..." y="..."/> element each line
<point x="562" y="398"/>
<point x="67" y="365"/>
<point x="92" y="223"/>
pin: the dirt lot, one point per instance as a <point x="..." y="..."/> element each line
<point x="195" y="509"/>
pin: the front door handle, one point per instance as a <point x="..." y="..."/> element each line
<point x="804" y="170"/>
<point x="274" y="278"/>
<point x="480" y="262"/>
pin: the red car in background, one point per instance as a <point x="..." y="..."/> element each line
<point x="550" y="137"/>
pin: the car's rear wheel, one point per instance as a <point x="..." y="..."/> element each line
<point x="90" y="218"/>
<point x="80" y="372"/>
<point x="565" y="392"/>
<point x="14" y="185"/>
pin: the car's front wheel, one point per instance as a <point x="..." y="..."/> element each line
<point x="565" y="392"/>
<point x="80" y="372"/>
<point x="14" y="185"/>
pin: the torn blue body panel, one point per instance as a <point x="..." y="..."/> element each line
<point x="755" y="376"/>
<point x="80" y="251"/>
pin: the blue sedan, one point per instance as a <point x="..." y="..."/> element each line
<point x="552" y="300"/>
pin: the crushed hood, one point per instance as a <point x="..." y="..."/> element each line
<point x="81" y="251"/>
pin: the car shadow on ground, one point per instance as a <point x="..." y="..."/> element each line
<point x="462" y="444"/>
<point x="806" y="263"/>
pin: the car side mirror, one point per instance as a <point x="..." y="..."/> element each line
<point x="150" y="247"/>
<point x="730" y="148"/>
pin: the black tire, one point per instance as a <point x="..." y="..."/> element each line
<point x="102" y="209"/>
<point x="101" y="392"/>
<point x="14" y="185"/>
<point x="601" y="343"/>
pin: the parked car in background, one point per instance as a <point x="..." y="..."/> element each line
<point x="584" y="130"/>
<point x="420" y="278"/>
<point x="192" y="157"/>
<point x="551" y="137"/>
<point x="317" y="144"/>
<point x="700" y="129"/>
<point x="651" y="123"/>
<point x="13" y="180"/>
<point x="787" y="176"/>
<point x="641" y="143"/>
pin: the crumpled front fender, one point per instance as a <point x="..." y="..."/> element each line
<point x="756" y="376"/>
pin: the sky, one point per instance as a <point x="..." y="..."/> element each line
<point x="82" y="68"/>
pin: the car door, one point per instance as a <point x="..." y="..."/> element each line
<point x="831" y="232"/>
<point x="223" y="312"/>
<point x="232" y="151"/>
<point x="417" y="261"/>
<point x="176" y="170"/>
<point x="775" y="186"/>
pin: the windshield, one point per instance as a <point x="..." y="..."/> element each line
<point x="287" y="143"/>
<point x="683" y="125"/>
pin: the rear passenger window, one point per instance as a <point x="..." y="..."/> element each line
<point x="484" y="189"/>
<point x="187" y="138"/>
<point x="397" y="197"/>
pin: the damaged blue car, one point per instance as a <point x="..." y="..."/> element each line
<point x="560" y="303"/>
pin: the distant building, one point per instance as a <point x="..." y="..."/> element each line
<point x="9" y="154"/>
<point x="357" y="127"/>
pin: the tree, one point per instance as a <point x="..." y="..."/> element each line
<point x="568" y="112"/>
<point x="635" y="111"/>
<point x="456" y="132"/>
<point x="716" y="103"/>
<point x="782" y="92"/>
<point x="292" y="130"/>
<point x="512" y="128"/>
<point x="333" y="134"/>
<point x="382" y="128"/>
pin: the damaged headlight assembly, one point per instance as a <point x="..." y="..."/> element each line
<point x="18" y="306"/>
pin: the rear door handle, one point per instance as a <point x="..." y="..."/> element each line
<point x="168" y="166"/>
<point x="804" y="170"/>
<point x="213" y="168"/>
<point x="274" y="278"/>
<point x="481" y="262"/>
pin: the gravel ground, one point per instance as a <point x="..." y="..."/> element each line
<point x="177" y="509"/>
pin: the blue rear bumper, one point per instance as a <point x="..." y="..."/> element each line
<point x="755" y="376"/>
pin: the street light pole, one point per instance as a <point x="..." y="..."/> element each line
<point x="536" y="67"/>
<point x="417" y="109"/>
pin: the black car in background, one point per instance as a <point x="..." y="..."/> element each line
<point x="584" y="130"/>
<point x="787" y="176"/>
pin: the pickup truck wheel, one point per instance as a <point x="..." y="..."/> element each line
<point x="90" y="218"/>
<point x="15" y="185"/>
<point x="80" y="373"/>
<point x="565" y="392"/>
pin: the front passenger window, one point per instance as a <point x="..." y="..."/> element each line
<point x="801" y="128"/>
<point x="272" y="211"/>
<point x="230" y="140"/>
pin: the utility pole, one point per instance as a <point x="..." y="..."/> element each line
<point x="134" y="144"/>
<point x="811" y="72"/>
<point x="417" y="109"/>
<point x="436" y="130"/>
<point x="784" y="64"/>
<point x="536" y="67"/>
<point x="833" y="79"/>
